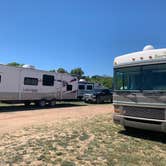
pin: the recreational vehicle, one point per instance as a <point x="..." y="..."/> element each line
<point x="27" y="84"/>
<point x="85" y="87"/>
<point x="140" y="89"/>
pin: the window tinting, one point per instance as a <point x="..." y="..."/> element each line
<point x="154" y="77"/>
<point x="128" y="78"/>
<point x="149" y="77"/>
<point x="69" y="87"/>
<point x="89" y="87"/>
<point x="48" y="80"/>
<point x="81" y="87"/>
<point x="30" y="81"/>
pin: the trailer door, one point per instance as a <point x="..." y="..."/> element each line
<point x="30" y="84"/>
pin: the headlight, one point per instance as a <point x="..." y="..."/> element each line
<point x="118" y="109"/>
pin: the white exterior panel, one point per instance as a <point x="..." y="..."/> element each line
<point x="12" y="85"/>
<point x="139" y="57"/>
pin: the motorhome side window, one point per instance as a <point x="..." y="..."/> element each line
<point x="48" y="80"/>
<point x="89" y="87"/>
<point x="81" y="87"/>
<point x="0" y="78"/>
<point x="69" y="87"/>
<point x="30" y="81"/>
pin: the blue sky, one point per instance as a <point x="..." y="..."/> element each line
<point x="78" y="33"/>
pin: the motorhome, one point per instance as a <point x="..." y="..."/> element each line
<point x="27" y="84"/>
<point x="140" y="89"/>
<point x="85" y="87"/>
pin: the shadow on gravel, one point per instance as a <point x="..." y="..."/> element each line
<point x="16" y="108"/>
<point x="144" y="134"/>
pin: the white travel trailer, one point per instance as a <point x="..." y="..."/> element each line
<point x="140" y="89"/>
<point x="27" y="84"/>
<point x="69" y="86"/>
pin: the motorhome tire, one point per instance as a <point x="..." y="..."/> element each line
<point x="27" y="103"/>
<point x="42" y="103"/>
<point x="52" y="103"/>
<point x="129" y="129"/>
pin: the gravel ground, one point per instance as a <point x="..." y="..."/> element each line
<point x="17" y="117"/>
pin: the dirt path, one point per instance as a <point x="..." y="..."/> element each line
<point x="17" y="119"/>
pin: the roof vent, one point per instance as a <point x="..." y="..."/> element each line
<point x="28" y="66"/>
<point x="82" y="80"/>
<point x="148" y="47"/>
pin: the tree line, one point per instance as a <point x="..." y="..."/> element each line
<point x="104" y="80"/>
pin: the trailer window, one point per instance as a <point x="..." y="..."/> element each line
<point x="89" y="87"/>
<point x="0" y="78"/>
<point x="81" y="87"/>
<point x="30" y="81"/>
<point x="69" y="87"/>
<point x="48" y="80"/>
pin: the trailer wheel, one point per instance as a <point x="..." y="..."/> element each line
<point x="42" y="103"/>
<point x="80" y="98"/>
<point x="52" y="103"/>
<point x="27" y="103"/>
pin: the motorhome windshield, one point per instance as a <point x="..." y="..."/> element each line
<point x="149" y="77"/>
<point x="127" y="78"/>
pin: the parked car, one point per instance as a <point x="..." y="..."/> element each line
<point x="98" y="96"/>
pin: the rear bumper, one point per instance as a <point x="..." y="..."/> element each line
<point x="140" y="123"/>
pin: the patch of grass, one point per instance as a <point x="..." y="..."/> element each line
<point x="84" y="136"/>
<point x="59" y="153"/>
<point x="94" y="141"/>
<point x="68" y="163"/>
<point x="5" y="105"/>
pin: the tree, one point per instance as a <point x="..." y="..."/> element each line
<point x="104" y="80"/>
<point x="61" y="70"/>
<point x="15" y="64"/>
<point x="53" y="70"/>
<point x="87" y="78"/>
<point x="78" y="72"/>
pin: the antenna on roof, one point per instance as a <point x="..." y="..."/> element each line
<point x="148" y="47"/>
